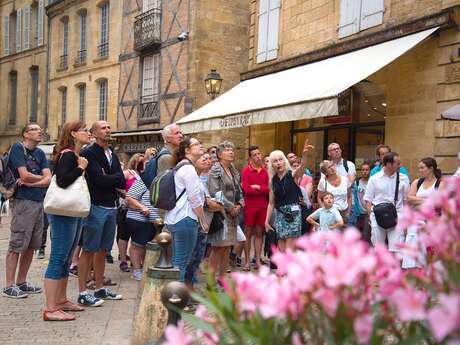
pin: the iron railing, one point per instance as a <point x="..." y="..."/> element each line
<point x="147" y="29"/>
<point x="63" y="62"/>
<point x="103" y="50"/>
<point x="81" y="57"/>
<point x="149" y="112"/>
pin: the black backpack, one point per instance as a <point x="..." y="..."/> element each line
<point x="7" y="178"/>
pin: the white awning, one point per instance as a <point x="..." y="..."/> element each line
<point x="452" y="113"/>
<point x="298" y="93"/>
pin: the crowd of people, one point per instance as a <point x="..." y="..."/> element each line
<point x="219" y="214"/>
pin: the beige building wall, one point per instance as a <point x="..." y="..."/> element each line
<point x="309" y="25"/>
<point x="94" y="70"/>
<point x="21" y="62"/>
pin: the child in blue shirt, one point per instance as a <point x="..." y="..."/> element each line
<point x="328" y="217"/>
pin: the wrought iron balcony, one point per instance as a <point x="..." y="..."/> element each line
<point x="103" y="50"/>
<point x="147" y="29"/>
<point x="149" y="112"/>
<point x="63" y="61"/>
<point x="81" y="57"/>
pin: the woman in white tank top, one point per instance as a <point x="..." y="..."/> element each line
<point x="420" y="190"/>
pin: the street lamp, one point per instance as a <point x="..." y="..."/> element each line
<point x="213" y="82"/>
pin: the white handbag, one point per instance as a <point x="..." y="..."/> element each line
<point x="73" y="201"/>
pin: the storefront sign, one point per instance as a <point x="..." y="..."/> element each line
<point x="139" y="147"/>
<point x="235" y="121"/>
<point x="345" y="109"/>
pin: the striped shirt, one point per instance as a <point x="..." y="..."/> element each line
<point x="141" y="193"/>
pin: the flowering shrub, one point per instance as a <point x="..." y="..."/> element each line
<point x="335" y="289"/>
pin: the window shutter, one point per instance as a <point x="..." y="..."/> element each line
<point x="6" y="35"/>
<point x="371" y="13"/>
<point x="40" y="17"/>
<point x="148" y="75"/>
<point x="349" y="17"/>
<point x="18" y="29"/>
<point x="26" y="27"/>
<point x="273" y="29"/>
<point x="263" y="31"/>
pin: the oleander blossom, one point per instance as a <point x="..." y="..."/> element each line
<point x="334" y="286"/>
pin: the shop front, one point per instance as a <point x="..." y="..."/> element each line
<point x="127" y="143"/>
<point x="358" y="99"/>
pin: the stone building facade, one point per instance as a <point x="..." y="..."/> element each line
<point x="23" y="38"/>
<point x="399" y="105"/>
<point x="167" y="49"/>
<point x="84" y="46"/>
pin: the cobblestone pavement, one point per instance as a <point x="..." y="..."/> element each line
<point x="21" y="320"/>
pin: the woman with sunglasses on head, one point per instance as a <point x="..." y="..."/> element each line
<point x="185" y="218"/>
<point x="65" y="231"/>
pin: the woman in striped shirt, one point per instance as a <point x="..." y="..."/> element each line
<point x="140" y="221"/>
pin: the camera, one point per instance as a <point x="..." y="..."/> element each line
<point x="288" y="217"/>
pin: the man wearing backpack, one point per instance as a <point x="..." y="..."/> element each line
<point x="344" y="167"/>
<point x="30" y="167"/>
<point x="172" y="136"/>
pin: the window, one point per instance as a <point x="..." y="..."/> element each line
<point x="358" y="15"/>
<point x="65" y="44"/>
<point x="82" y="52"/>
<point x="6" y="35"/>
<point x="148" y="5"/>
<point x="27" y="14"/>
<point x="149" y="107"/>
<point x="103" y="48"/>
<point x="103" y="100"/>
<point x="13" y="97"/>
<point x="34" y="93"/>
<point x="39" y="23"/>
<point x="18" y="30"/>
<point x="269" y="18"/>
<point x="82" y="102"/>
<point x="63" y="105"/>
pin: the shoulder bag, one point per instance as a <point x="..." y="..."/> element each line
<point x="385" y="213"/>
<point x="73" y="201"/>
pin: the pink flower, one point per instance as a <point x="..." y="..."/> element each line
<point x="363" y="328"/>
<point x="175" y="335"/>
<point x="296" y="339"/>
<point x="445" y="318"/>
<point x="410" y="304"/>
<point x="328" y="299"/>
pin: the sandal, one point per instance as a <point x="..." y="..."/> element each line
<point x="69" y="306"/>
<point x="57" y="315"/>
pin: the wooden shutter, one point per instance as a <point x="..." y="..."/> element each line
<point x="6" y="35"/>
<point x="40" y="18"/>
<point x="273" y="29"/>
<point x="18" y="29"/>
<point x="148" y="77"/>
<point x="349" y="17"/>
<point x="262" y="36"/>
<point x="371" y="13"/>
<point x="27" y="11"/>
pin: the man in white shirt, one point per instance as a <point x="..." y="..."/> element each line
<point x="381" y="189"/>
<point x="344" y="167"/>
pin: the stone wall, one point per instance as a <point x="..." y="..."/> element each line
<point x="308" y="25"/>
<point x="95" y="68"/>
<point x="20" y="62"/>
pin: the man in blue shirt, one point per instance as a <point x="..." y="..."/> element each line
<point x="30" y="167"/>
<point x="381" y="151"/>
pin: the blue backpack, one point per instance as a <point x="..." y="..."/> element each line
<point x="151" y="168"/>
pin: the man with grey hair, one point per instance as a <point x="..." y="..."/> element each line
<point x="172" y="137"/>
<point x="344" y="167"/>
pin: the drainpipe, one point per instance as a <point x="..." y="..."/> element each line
<point x="48" y="45"/>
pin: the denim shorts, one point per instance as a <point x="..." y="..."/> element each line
<point x="65" y="232"/>
<point x="141" y="232"/>
<point x="100" y="229"/>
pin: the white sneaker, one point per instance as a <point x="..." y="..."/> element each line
<point x="137" y="275"/>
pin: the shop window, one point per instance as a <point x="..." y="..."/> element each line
<point x="359" y="15"/>
<point x="268" y="22"/>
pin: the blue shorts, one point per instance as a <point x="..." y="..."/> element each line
<point x="99" y="229"/>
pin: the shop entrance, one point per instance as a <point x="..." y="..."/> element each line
<point x="359" y="127"/>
